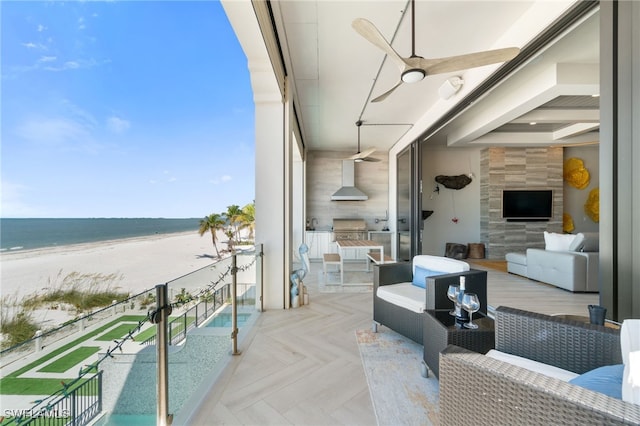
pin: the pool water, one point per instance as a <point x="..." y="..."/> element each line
<point x="223" y="319"/>
<point x="130" y="420"/>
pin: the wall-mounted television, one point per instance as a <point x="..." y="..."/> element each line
<point x="527" y="204"/>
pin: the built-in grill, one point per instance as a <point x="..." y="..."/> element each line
<point x="349" y="229"/>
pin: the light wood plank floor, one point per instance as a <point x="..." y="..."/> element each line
<point x="302" y="366"/>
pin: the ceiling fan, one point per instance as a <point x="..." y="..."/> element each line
<point x="415" y="68"/>
<point x="362" y="156"/>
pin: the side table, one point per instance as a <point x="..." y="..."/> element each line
<point x="440" y="330"/>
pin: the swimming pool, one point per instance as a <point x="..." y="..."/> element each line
<point x="223" y="319"/>
<point x="128" y="420"/>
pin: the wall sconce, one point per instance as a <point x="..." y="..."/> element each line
<point x="450" y="87"/>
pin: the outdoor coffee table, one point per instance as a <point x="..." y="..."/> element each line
<point x="440" y="330"/>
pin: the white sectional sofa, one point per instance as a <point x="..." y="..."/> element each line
<point x="568" y="261"/>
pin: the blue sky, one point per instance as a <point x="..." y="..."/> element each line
<point x="123" y="109"/>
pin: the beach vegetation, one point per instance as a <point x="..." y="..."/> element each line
<point x="17" y="328"/>
<point x="82" y="291"/>
<point x="184" y="296"/>
<point x="148" y="299"/>
<point x="212" y="223"/>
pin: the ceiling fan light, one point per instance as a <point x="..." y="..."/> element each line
<point x="358" y="160"/>
<point x="413" y="75"/>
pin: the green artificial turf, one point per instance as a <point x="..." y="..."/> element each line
<point x="117" y="332"/>
<point x="146" y="334"/>
<point x="69" y="360"/>
<point x="33" y="386"/>
<point x="11" y="384"/>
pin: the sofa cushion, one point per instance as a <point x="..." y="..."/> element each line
<point x="405" y="295"/>
<point x="630" y="347"/>
<point x="420" y="275"/>
<point x="531" y="365"/>
<point x="606" y="380"/>
<point x="558" y="242"/>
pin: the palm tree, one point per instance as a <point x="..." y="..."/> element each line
<point x="212" y="223"/>
<point x="248" y="218"/>
<point x="233" y="216"/>
<point x="229" y="233"/>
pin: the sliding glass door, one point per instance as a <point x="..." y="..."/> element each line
<point x="409" y="202"/>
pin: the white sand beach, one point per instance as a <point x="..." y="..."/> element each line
<point x="143" y="262"/>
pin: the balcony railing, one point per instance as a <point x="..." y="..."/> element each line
<point x="77" y="405"/>
<point x="199" y="293"/>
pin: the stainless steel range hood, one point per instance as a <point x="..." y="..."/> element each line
<point x="349" y="192"/>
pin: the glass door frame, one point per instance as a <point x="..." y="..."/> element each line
<point x="414" y="216"/>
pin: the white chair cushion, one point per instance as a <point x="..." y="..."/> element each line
<point x="440" y="263"/>
<point x="405" y="295"/>
<point x="630" y="347"/>
<point x="531" y="365"/>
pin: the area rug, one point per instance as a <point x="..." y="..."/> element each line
<point x="400" y="395"/>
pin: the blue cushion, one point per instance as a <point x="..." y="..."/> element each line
<point x="420" y="276"/>
<point x="606" y="380"/>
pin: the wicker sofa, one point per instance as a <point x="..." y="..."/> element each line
<point x="410" y="323"/>
<point x="476" y="389"/>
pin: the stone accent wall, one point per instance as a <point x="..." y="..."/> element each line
<point x="517" y="168"/>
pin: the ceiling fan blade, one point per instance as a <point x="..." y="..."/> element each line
<point x="362" y="155"/>
<point x="371" y="159"/>
<point x="471" y="60"/>
<point x="369" y="31"/>
<point x="387" y="93"/>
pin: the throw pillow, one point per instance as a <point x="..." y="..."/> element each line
<point x="420" y="276"/>
<point x="606" y="380"/>
<point x="577" y="242"/>
<point x="630" y="347"/>
<point x="557" y="242"/>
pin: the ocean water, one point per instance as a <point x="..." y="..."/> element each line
<point x="26" y="234"/>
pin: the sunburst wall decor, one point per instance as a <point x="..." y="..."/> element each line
<point x="592" y="206"/>
<point x="575" y="174"/>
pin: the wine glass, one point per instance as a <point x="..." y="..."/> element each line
<point x="452" y="294"/>
<point x="471" y="304"/>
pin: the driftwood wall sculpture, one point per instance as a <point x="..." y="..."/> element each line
<point x="453" y="182"/>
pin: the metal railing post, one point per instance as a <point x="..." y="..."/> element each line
<point x="261" y="254"/>
<point x="234" y="306"/>
<point x="162" y="350"/>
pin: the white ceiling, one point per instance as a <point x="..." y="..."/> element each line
<point x="336" y="73"/>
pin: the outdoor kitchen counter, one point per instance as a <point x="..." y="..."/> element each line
<point x="319" y="243"/>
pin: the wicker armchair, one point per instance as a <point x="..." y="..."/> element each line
<point x="409" y="323"/>
<point x="476" y="389"/>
